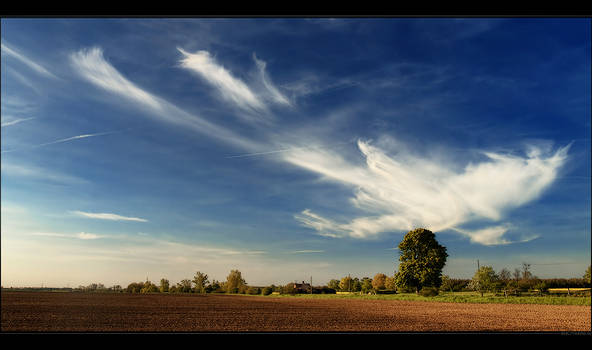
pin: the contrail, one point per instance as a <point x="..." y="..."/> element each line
<point x="69" y="139"/>
<point x="284" y="150"/>
<point x="16" y="121"/>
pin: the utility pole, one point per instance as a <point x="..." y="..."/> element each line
<point x="477" y="264"/>
<point x="310" y="285"/>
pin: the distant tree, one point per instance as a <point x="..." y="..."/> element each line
<point x="184" y="286"/>
<point x="378" y="282"/>
<point x="390" y="283"/>
<point x="422" y="259"/>
<point x="289" y="288"/>
<point x="235" y="282"/>
<point x="541" y="285"/>
<point x="215" y="287"/>
<point x="526" y="274"/>
<point x="333" y="284"/>
<point x="149" y="287"/>
<point x="587" y="275"/>
<point x="173" y="289"/>
<point x="517" y="274"/>
<point x="484" y="279"/>
<point x="164" y="285"/>
<point x="504" y="275"/>
<point x="345" y="285"/>
<point x="446" y="284"/>
<point x="135" y="287"/>
<point x="356" y="285"/>
<point x="267" y="290"/>
<point x="366" y="285"/>
<point x="201" y="282"/>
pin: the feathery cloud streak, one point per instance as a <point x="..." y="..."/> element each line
<point x="28" y="62"/>
<point x="275" y="95"/>
<point x="92" y="66"/>
<point x="108" y="216"/>
<point x="404" y="192"/>
<point x="80" y="235"/>
<point x="232" y="89"/>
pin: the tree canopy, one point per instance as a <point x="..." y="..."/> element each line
<point x="235" y="282"/>
<point x="422" y="259"/>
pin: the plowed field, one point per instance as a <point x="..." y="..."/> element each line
<point x="86" y="312"/>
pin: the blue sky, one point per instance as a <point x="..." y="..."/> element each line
<point x="291" y="148"/>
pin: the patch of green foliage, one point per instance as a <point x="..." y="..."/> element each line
<point x="462" y="297"/>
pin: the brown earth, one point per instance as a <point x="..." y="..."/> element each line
<point x="87" y="312"/>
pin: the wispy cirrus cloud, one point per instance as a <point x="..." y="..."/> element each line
<point x="12" y="169"/>
<point x="108" y="216"/>
<point x="27" y="61"/>
<point x="272" y="91"/>
<point x="92" y="66"/>
<point x="80" y="235"/>
<point x="405" y="191"/>
<point x="231" y="88"/>
<point x="492" y="235"/>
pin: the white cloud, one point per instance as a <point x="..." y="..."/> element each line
<point x="108" y="216"/>
<point x="80" y="235"/>
<point x="231" y="89"/>
<point x="403" y="192"/>
<point x="92" y="66"/>
<point x="30" y="63"/>
<point x="306" y="251"/>
<point x="84" y="235"/>
<point x="274" y="94"/>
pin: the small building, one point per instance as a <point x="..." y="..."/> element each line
<point x="302" y="287"/>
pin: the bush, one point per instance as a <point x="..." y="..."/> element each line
<point x="253" y="291"/>
<point x="429" y="292"/>
<point x="288" y="289"/>
<point x="267" y="290"/>
<point x="324" y="290"/>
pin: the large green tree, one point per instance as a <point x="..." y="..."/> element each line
<point x="421" y="259"/>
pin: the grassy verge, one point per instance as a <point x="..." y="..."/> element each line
<point x="454" y="298"/>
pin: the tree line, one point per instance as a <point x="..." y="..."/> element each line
<point x="421" y="262"/>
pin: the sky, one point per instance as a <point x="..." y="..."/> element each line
<point x="291" y="148"/>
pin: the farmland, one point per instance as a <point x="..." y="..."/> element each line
<point x="120" y="312"/>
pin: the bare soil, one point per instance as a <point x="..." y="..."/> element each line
<point x="88" y="312"/>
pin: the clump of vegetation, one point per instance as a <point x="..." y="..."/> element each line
<point x="429" y="292"/>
